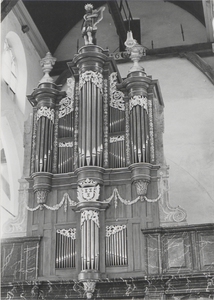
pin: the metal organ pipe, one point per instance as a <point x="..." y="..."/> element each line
<point x="90" y="124"/>
<point x="139" y="129"/>
<point x="89" y="242"/>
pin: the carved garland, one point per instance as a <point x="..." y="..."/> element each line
<point x="113" y="229"/>
<point x="90" y="215"/>
<point x="138" y="100"/>
<point x="65" y="200"/>
<point x="95" y="77"/>
<point x="44" y="111"/>
<point x="151" y="131"/>
<point x="71" y="232"/>
<point x="67" y="103"/>
<point x="116" y="97"/>
<point x="115" y="195"/>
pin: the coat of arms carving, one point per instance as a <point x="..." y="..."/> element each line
<point x="88" y="190"/>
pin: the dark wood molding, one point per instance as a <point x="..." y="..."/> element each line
<point x="6" y="7"/>
<point x="202" y="65"/>
<point x="202" y="49"/>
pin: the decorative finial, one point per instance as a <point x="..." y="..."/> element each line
<point x="136" y="52"/>
<point x="47" y="65"/>
<point x="91" y="19"/>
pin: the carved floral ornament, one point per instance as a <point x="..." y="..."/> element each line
<point x="113" y="229"/>
<point x="70" y="233"/>
<point x="67" y="103"/>
<point x="138" y="100"/>
<point x="44" y="111"/>
<point x="90" y="76"/>
<point x="115" y="139"/>
<point x="92" y="215"/>
<point x="89" y="288"/>
<point x="116" y="97"/>
<point x="66" y="144"/>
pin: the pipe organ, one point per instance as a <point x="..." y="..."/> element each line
<point x="96" y="143"/>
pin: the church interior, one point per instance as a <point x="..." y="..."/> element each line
<point x="107" y="149"/>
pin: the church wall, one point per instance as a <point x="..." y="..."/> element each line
<point x="15" y="110"/>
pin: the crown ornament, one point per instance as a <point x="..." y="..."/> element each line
<point x="87" y="182"/>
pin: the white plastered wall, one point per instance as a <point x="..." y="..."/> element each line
<point x="15" y="112"/>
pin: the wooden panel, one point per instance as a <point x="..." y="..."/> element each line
<point x="152" y="254"/>
<point x="136" y="240"/>
<point x="46" y="252"/>
<point x="177" y="253"/>
<point x="206" y="251"/>
<point x="19" y="259"/>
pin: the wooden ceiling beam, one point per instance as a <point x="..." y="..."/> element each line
<point x="6" y="7"/>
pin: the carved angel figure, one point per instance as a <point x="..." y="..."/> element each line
<point x="91" y="19"/>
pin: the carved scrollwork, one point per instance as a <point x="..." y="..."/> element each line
<point x="67" y="103"/>
<point x="116" y="97"/>
<point x="138" y="100"/>
<point x="113" y="229"/>
<point x="90" y="215"/>
<point x="95" y="77"/>
<point x="44" y="111"/>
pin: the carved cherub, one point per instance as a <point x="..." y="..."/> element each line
<point x="91" y="19"/>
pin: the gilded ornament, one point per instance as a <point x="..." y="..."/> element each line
<point x="47" y="112"/>
<point x="113" y="229"/>
<point x="138" y="100"/>
<point x="90" y="76"/>
<point x="67" y="103"/>
<point x="66" y="144"/>
<point x="116" y="97"/>
<point x="115" y="139"/>
<point x="70" y="233"/>
<point x="90" y="215"/>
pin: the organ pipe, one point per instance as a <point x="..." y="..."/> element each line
<point x="90" y="244"/>
<point x="90" y="125"/>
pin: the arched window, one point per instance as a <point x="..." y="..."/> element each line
<point x="9" y="67"/>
